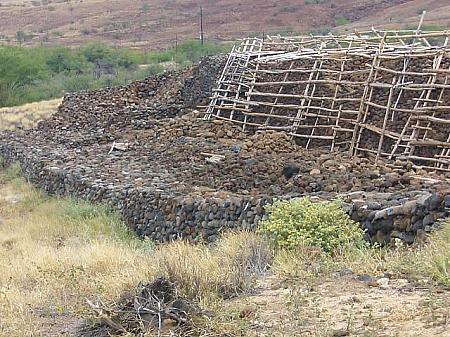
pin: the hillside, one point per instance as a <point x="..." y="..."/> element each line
<point x="155" y="24"/>
<point x="406" y="16"/>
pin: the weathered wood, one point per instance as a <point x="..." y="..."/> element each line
<point x="373" y="91"/>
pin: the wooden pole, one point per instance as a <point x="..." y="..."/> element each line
<point x="367" y="95"/>
<point x="386" y="117"/>
<point x="340" y="89"/>
<point x="201" y="25"/>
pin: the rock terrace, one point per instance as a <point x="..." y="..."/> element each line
<point x="144" y="150"/>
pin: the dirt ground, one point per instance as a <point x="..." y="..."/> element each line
<point x="347" y="306"/>
<point x="407" y="15"/>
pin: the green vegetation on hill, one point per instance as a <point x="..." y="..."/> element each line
<point x="341" y="21"/>
<point x="34" y="74"/>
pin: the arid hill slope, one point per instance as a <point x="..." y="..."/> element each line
<point x="406" y="15"/>
<point x="155" y="24"/>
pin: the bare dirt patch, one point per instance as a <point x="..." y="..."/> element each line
<point x="346" y="306"/>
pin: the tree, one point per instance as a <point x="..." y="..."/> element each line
<point x="17" y="70"/>
<point x="20" y="37"/>
<point x="64" y="60"/>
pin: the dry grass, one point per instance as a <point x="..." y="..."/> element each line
<point x="57" y="252"/>
<point x="28" y="115"/>
<point x="427" y="263"/>
<point x="224" y="270"/>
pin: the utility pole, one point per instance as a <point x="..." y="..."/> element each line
<point x="176" y="49"/>
<point x="201" y="24"/>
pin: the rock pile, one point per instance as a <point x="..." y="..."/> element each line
<point x="131" y="106"/>
<point x="185" y="177"/>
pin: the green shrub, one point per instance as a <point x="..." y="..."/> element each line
<point x="96" y="51"/>
<point x="341" y="21"/>
<point x="64" y="60"/>
<point x="300" y="222"/>
<point x="39" y="73"/>
<point x="94" y="220"/>
<point x="14" y="171"/>
<point x="315" y="2"/>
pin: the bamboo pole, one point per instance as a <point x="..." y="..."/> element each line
<point x="249" y="93"/>
<point x="280" y="90"/>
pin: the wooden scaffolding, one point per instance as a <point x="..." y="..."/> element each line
<point x="382" y="93"/>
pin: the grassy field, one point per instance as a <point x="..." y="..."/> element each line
<point x="57" y="252"/>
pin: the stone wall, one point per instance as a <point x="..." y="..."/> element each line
<point x="175" y="175"/>
<point x="161" y="216"/>
<point x="152" y="213"/>
<point x="404" y="216"/>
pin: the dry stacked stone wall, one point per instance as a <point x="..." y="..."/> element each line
<point x="142" y="150"/>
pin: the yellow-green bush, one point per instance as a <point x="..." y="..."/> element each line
<point x="300" y="222"/>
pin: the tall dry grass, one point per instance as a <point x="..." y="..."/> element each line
<point x="56" y="252"/>
<point x="222" y="271"/>
<point x="28" y="115"/>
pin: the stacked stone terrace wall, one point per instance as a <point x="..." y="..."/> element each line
<point x="179" y="176"/>
<point x="152" y="213"/>
<point x="388" y="204"/>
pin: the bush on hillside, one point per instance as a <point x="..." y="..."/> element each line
<point x="39" y="73"/>
<point x="17" y="69"/>
<point x="341" y="21"/>
<point x="300" y="222"/>
<point x="62" y="60"/>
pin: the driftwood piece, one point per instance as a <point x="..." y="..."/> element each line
<point x="154" y="306"/>
<point x="118" y="146"/>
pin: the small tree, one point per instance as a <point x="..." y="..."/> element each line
<point x="20" y="37"/>
<point x="17" y="70"/>
<point x="64" y="60"/>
